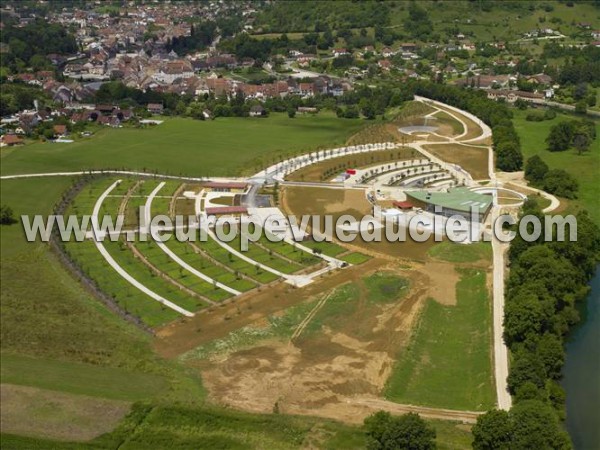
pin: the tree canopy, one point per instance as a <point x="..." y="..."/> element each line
<point x="387" y="432"/>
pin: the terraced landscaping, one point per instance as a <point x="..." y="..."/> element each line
<point x="223" y="256"/>
<point x="329" y="168"/>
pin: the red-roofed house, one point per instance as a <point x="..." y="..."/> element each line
<point x="11" y="139"/>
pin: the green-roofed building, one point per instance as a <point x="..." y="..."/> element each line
<point x="459" y="201"/>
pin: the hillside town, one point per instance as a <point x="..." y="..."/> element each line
<point x="155" y="48"/>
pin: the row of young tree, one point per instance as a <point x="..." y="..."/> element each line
<point x="497" y="115"/>
<point x="547" y="279"/>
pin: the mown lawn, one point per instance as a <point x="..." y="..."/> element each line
<point x="585" y="168"/>
<point x="461" y="253"/>
<point x="448" y="363"/>
<point x="355" y="258"/>
<point x="79" y="378"/>
<point x="224" y="146"/>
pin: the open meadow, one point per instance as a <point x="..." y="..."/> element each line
<point x="226" y="146"/>
<point x="583" y="167"/>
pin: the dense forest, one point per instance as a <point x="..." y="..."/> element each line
<point x="311" y="15"/>
<point x="546" y="282"/>
<point x="582" y="65"/>
<point x="29" y="46"/>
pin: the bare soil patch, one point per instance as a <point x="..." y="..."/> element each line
<point x="442" y="278"/>
<point x="325" y="370"/>
<point x="218" y="321"/>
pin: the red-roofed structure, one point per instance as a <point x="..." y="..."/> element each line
<point x="226" y="186"/>
<point x="403" y="205"/>
<point x="226" y="210"/>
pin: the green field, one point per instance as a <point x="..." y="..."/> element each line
<point x="187" y="147"/>
<point x="459" y="253"/>
<point x="355" y="258"/>
<point x="48" y="317"/>
<point x="57" y="336"/>
<point x="448" y="362"/>
<point x="584" y="168"/>
<point x="327" y="248"/>
<point x="83" y="379"/>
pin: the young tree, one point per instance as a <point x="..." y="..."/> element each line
<point x="6" y="215"/>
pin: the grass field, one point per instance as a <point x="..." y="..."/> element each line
<point x="584" y="168"/>
<point x="499" y="23"/>
<point x="473" y="160"/>
<point x="448" y="364"/>
<point x="188" y="147"/>
<point x="178" y="427"/>
<point x="39" y="412"/>
<point x="46" y="315"/>
<point x="355" y="258"/>
<point x="325" y="247"/>
<point x="457" y="253"/>
<point x="56" y="336"/>
<point x="83" y="379"/>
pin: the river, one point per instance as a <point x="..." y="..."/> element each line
<point x="582" y="374"/>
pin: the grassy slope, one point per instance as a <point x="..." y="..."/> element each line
<point x="448" y="364"/>
<point x="584" y="167"/>
<point x="499" y="23"/>
<point x="186" y="146"/>
<point x="46" y="315"/>
<point x="56" y="336"/>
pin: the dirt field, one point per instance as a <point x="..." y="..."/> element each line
<point x="337" y="202"/>
<point x="58" y="415"/>
<point x="313" y="350"/>
<point x="338" y="362"/>
<point x="474" y="160"/>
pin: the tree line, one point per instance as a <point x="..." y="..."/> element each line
<point x="547" y="280"/>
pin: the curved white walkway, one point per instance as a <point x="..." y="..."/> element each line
<point x="111" y="261"/>
<point x="171" y="254"/>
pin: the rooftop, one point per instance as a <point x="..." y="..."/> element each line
<point x="459" y="199"/>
